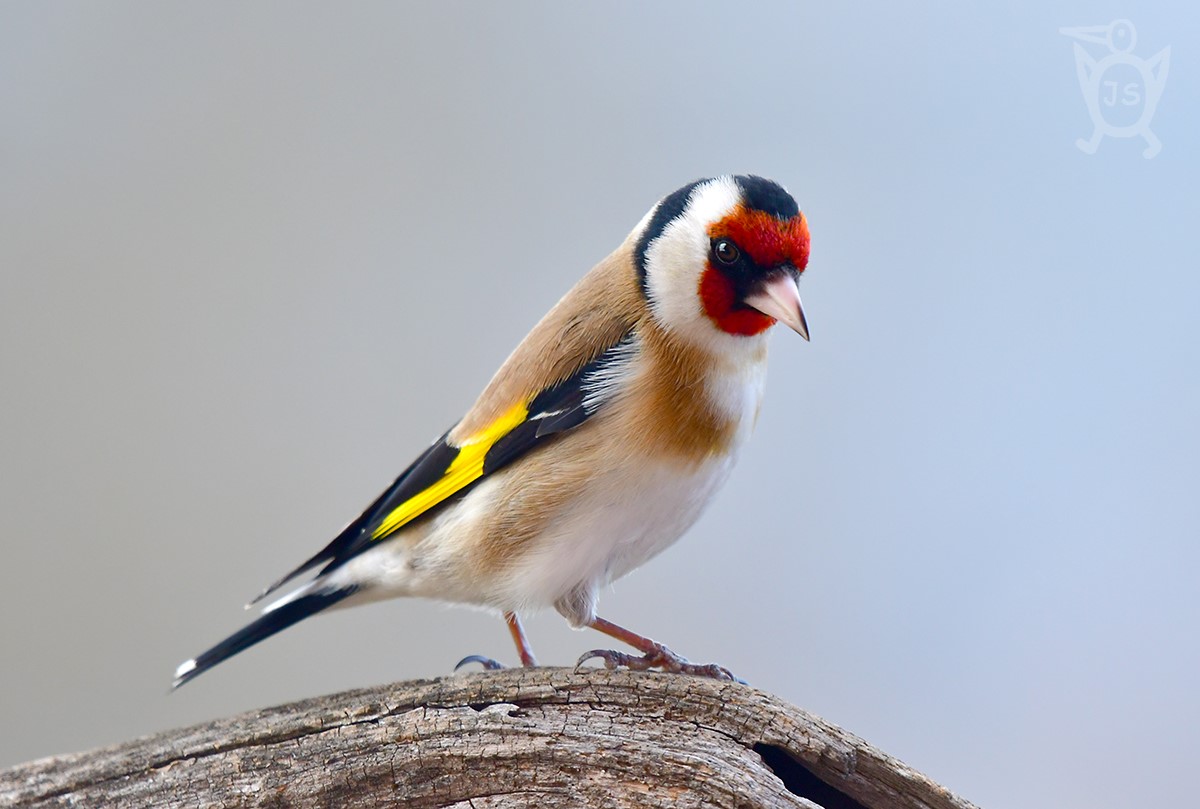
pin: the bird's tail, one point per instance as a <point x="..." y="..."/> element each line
<point x="277" y="618"/>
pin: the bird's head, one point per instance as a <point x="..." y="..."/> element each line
<point x="719" y="259"/>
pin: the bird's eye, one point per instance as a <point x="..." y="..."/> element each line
<point x="726" y="251"/>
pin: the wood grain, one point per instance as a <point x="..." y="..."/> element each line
<point x="522" y="737"/>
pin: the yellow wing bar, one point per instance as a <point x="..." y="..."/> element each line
<point x="465" y="469"/>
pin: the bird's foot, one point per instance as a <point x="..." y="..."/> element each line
<point x="660" y="658"/>
<point x="488" y="663"/>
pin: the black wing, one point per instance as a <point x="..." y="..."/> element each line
<point x="445" y="472"/>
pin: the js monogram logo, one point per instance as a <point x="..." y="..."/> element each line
<point x="1121" y="90"/>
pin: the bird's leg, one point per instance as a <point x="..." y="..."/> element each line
<point x="654" y="654"/>
<point x="518" y="636"/>
<point x="522" y="642"/>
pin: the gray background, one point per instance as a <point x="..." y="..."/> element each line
<point x="255" y="257"/>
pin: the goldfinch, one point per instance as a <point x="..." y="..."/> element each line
<point x="598" y="442"/>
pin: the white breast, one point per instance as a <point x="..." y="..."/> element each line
<point x="631" y="513"/>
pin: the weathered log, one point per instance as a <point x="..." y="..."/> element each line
<point x="521" y="737"/>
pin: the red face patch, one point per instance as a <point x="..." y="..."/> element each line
<point x="721" y="304"/>
<point x="767" y="241"/>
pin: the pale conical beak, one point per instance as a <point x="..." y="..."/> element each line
<point x="780" y="298"/>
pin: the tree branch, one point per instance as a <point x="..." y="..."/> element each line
<point x="514" y="738"/>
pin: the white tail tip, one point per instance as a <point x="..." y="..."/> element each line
<point x="184" y="669"/>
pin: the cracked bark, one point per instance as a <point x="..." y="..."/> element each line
<point x="514" y="738"/>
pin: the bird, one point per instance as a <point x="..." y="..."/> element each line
<point x="595" y="446"/>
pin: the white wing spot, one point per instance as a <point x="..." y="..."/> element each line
<point x="603" y="383"/>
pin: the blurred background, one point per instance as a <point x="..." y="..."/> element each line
<point x="254" y="257"/>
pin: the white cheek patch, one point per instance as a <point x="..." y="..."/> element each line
<point x="676" y="258"/>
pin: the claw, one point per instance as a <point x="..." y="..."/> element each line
<point x="661" y="658"/>
<point x="611" y="659"/>
<point x="488" y="663"/>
